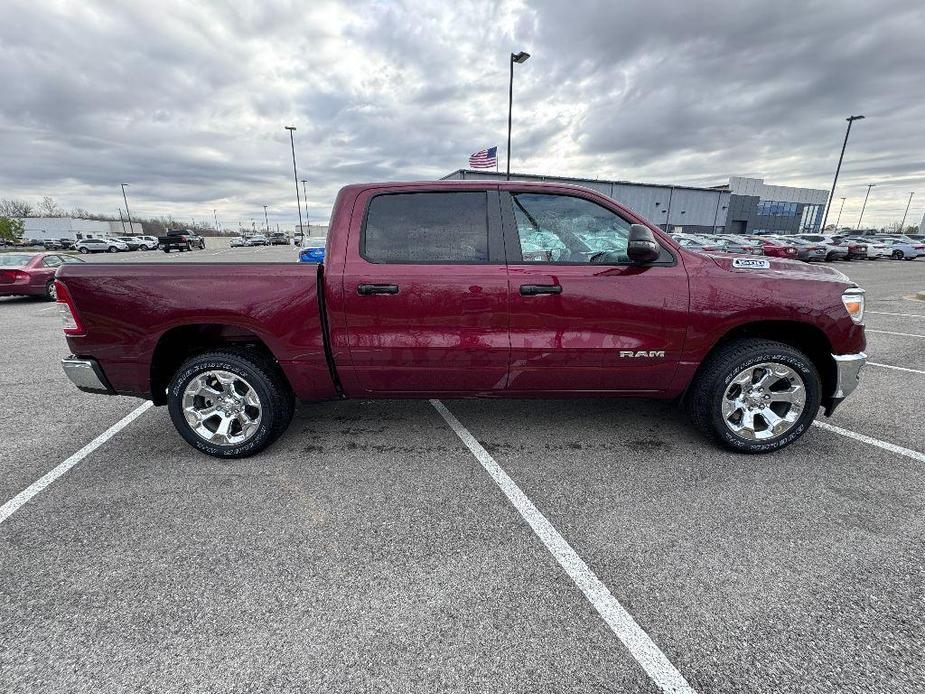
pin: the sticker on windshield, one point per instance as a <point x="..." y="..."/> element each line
<point x="751" y="263"/>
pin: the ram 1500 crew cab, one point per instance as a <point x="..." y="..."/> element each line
<point x="471" y="289"/>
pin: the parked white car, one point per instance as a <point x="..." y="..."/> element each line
<point x="100" y="246"/>
<point x="239" y="242"/>
<point x="903" y="250"/>
<point x="875" y="247"/>
<point x="148" y="243"/>
<point x="258" y="240"/>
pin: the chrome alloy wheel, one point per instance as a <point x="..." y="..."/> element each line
<point x="221" y="407"/>
<point x="764" y="401"/>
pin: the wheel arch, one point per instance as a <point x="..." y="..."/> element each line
<point x="805" y="337"/>
<point x="181" y="342"/>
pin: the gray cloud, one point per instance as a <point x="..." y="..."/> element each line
<point x="188" y="102"/>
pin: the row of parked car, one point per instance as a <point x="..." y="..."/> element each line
<point x="808" y="247"/>
<point x="178" y="239"/>
<point x="276" y="238"/>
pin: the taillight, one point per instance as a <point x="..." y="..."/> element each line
<point x="11" y="276"/>
<point x="70" y="319"/>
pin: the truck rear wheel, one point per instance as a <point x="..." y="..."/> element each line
<point x="230" y="403"/>
<point x="755" y="396"/>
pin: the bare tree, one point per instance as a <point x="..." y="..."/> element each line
<point x="49" y="208"/>
<point x="15" y="208"/>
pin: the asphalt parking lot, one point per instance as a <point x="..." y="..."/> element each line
<point x="371" y="550"/>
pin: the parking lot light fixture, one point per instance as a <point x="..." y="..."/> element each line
<point x="828" y="204"/>
<point x="520" y="57"/>
<point x="266" y="219"/>
<point x="838" y="219"/>
<point x="902" y="224"/>
<point x="305" y="200"/>
<point x="864" y="206"/>
<point x="295" y="173"/>
<point x="127" y="212"/>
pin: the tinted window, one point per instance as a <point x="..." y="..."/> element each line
<point x="565" y="229"/>
<point x="51" y="261"/>
<point x="427" y="228"/>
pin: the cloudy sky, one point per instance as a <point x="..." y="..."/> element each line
<point x="186" y="101"/>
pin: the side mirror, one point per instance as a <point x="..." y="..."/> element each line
<point x="642" y="247"/>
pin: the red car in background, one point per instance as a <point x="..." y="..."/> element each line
<point x="31" y="274"/>
<point x="777" y="248"/>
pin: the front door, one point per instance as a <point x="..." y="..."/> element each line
<point x="583" y="318"/>
<point x="426" y="298"/>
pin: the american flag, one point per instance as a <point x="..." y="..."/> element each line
<point x="484" y="159"/>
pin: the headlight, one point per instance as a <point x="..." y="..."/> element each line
<point x="853" y="299"/>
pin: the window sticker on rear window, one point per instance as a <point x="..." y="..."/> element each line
<point x="751" y="263"/>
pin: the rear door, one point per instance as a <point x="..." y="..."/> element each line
<point x="583" y="318"/>
<point x="44" y="271"/>
<point x="425" y="292"/>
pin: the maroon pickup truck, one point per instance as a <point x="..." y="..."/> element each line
<point x="471" y="289"/>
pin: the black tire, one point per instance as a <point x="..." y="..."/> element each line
<point x="705" y="396"/>
<point x="50" y="293"/>
<point x="82" y="250"/>
<point x="277" y="403"/>
<point x="898" y="255"/>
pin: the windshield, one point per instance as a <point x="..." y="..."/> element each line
<point x="15" y="259"/>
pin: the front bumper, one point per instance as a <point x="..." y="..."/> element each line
<point x="847" y="376"/>
<point x="87" y="375"/>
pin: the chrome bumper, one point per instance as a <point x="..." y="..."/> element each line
<point x="86" y="374"/>
<point x="847" y="373"/>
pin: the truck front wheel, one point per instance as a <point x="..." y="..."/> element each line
<point x="755" y="396"/>
<point x="229" y="404"/>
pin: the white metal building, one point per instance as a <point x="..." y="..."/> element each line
<point x="43" y="228"/>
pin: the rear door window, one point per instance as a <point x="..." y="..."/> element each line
<point x="435" y="228"/>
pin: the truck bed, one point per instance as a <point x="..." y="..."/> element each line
<point x="131" y="312"/>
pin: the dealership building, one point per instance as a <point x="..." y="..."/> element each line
<point x="742" y="206"/>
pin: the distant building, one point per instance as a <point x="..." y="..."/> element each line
<point x="676" y="208"/>
<point x="743" y="206"/>
<point x="756" y="207"/>
<point x="43" y="228"/>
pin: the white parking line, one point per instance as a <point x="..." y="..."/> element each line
<point x="889" y="332"/>
<point x="621" y="622"/>
<point x="14" y="504"/>
<point x="905" y="315"/>
<point x="898" y="368"/>
<point x="885" y="445"/>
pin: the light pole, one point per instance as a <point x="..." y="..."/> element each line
<point x="305" y="200"/>
<point x="841" y="156"/>
<point x="515" y="58"/>
<point x="902" y="224"/>
<point x="266" y="219"/>
<point x="122" y="219"/>
<point x="215" y="217"/>
<point x="295" y="173"/>
<point x="864" y="206"/>
<point x="127" y="213"/>
<point x="838" y="219"/>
